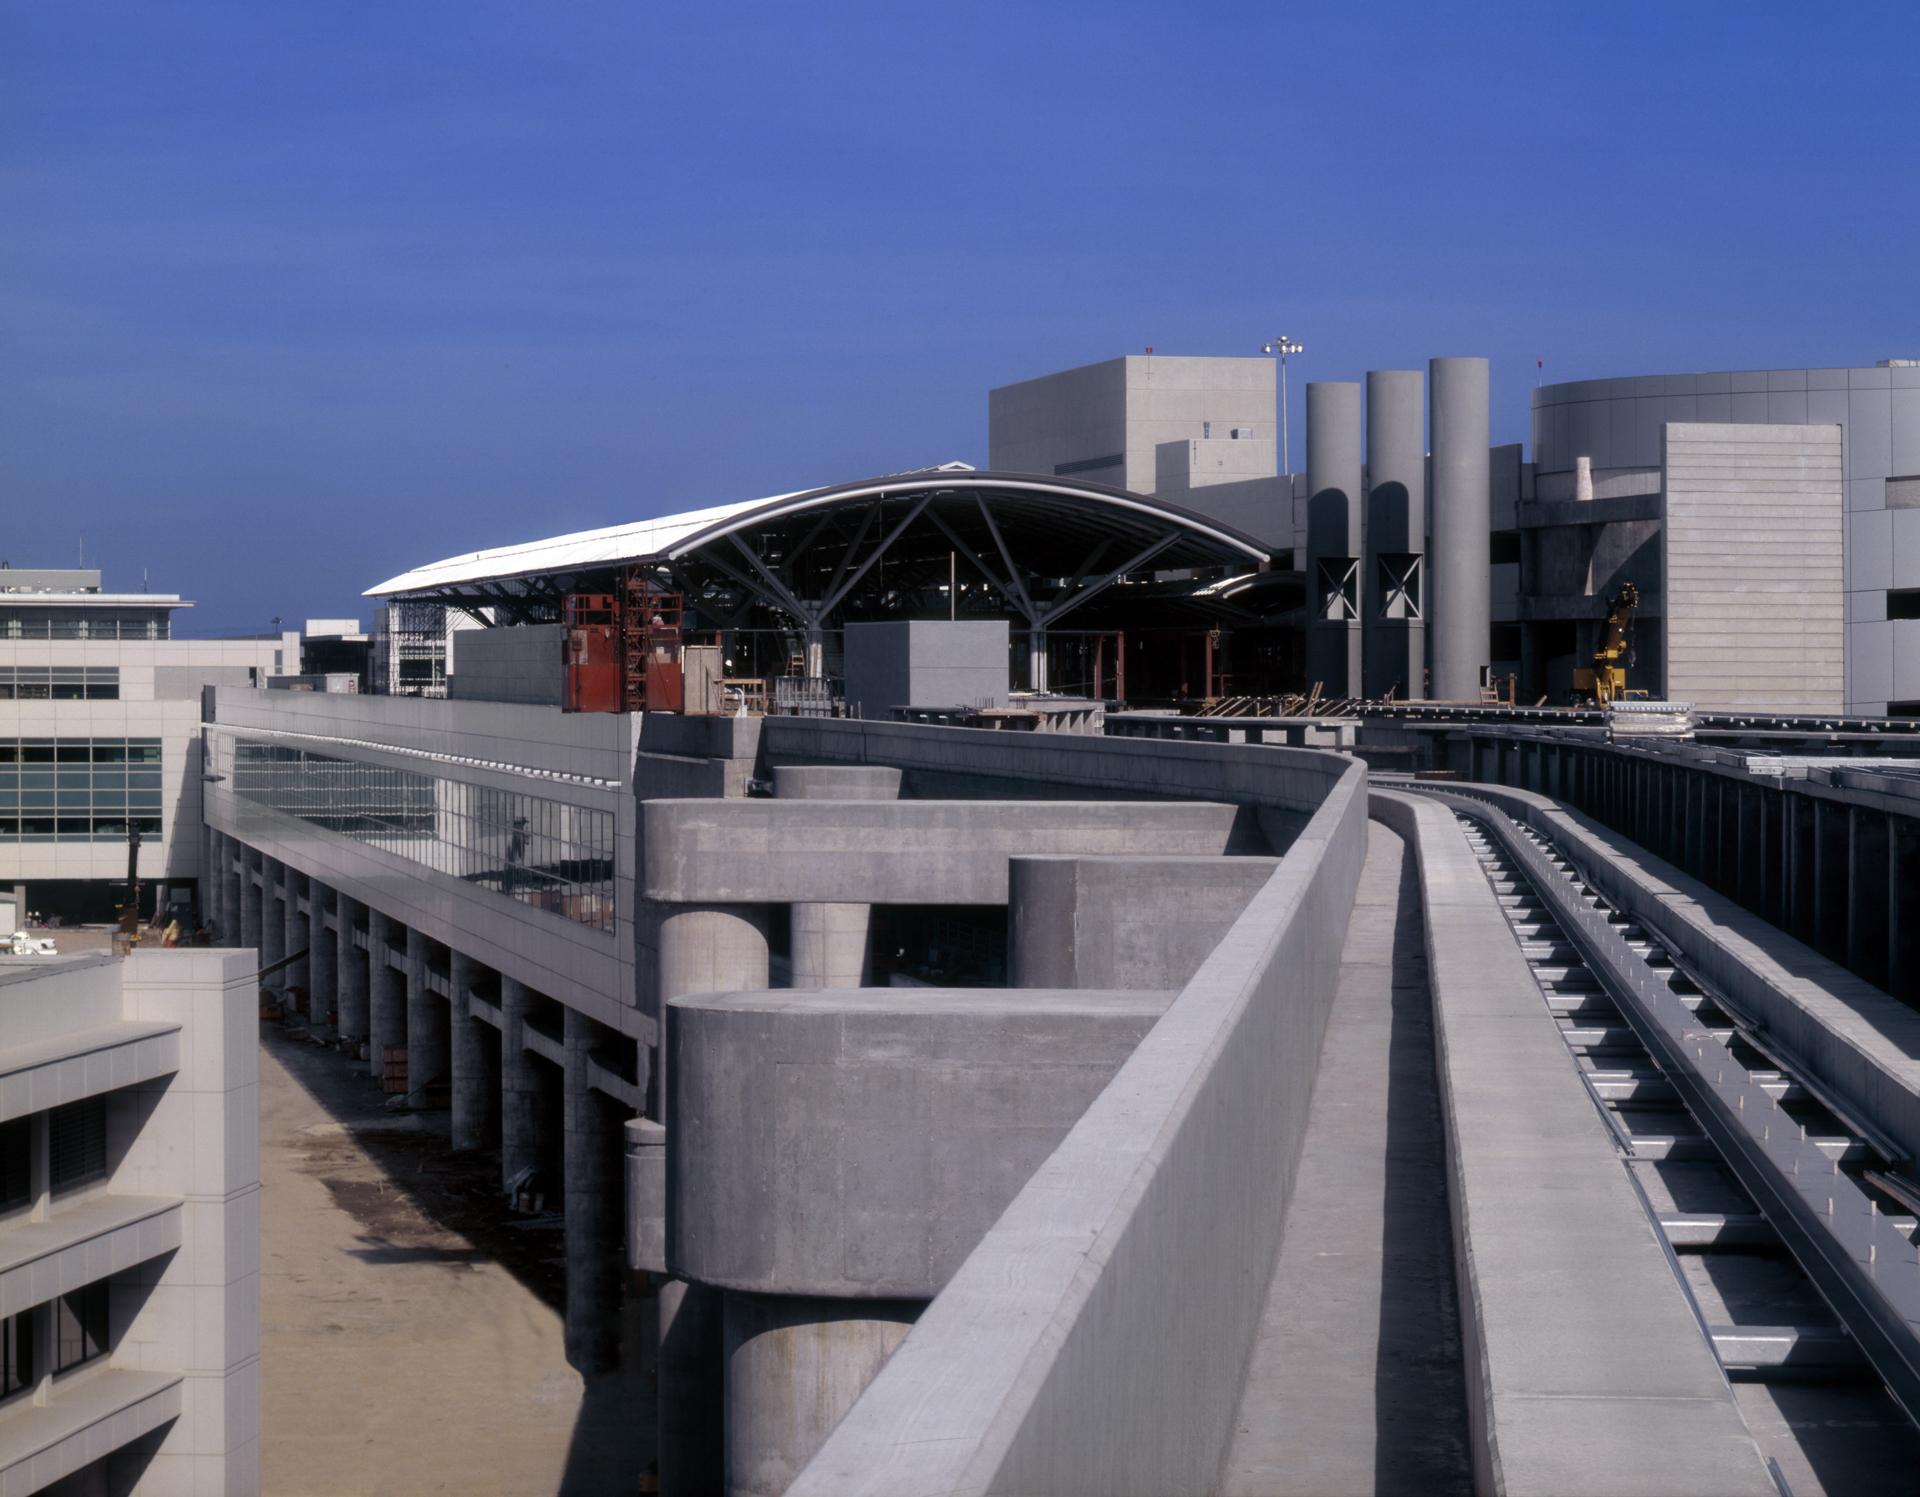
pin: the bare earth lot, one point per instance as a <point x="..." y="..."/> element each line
<point x="410" y="1336"/>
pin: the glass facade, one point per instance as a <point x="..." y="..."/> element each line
<point x="78" y="789"/>
<point x="85" y="623"/>
<point x="59" y="683"/>
<point x="542" y="852"/>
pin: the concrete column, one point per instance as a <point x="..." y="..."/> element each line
<point x="1461" y="611"/>
<point x="830" y="943"/>
<point x="691" y="1376"/>
<point x="428" y="1025"/>
<point x="251" y="898"/>
<point x="595" y="1168"/>
<point x="235" y="900"/>
<point x="1037" y="658"/>
<point x="213" y="886"/>
<point x="297" y="973"/>
<point x="475" y="1063"/>
<point x="1868" y="865"/>
<point x="526" y="1090"/>
<point x="386" y="994"/>
<point x="350" y="966"/>
<point x="794" y="1366"/>
<point x="1832" y="868"/>
<point x="323" y="961"/>
<point x="1395" y="627"/>
<point x="1803" y="865"/>
<point x="1903" y="908"/>
<point x="273" y="923"/>
<point x="703" y="949"/>
<point x="1335" y="537"/>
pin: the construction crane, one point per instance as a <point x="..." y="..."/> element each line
<point x="1606" y="681"/>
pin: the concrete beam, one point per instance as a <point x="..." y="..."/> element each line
<point x="900" y="852"/>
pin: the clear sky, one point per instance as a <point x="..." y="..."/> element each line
<point x="295" y="295"/>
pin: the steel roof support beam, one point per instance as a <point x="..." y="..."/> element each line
<point x="1131" y="564"/>
<point x="1013" y="572"/>
<point x="979" y="565"/>
<point x="780" y="590"/>
<point x="835" y="599"/>
<point x="853" y="546"/>
<point x="780" y="599"/>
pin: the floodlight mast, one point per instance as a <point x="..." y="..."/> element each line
<point x="1282" y="346"/>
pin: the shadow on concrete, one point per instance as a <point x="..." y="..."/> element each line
<point x="1421" y="1434"/>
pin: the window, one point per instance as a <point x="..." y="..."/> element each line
<point x="80" y="1326"/>
<point x="1903" y="602"/>
<point x="17" y="1369"/>
<point x="59" y="683"/>
<point x="16" y="1164"/>
<point x="76" y="1143"/>
<point x="79" y="789"/>
<point x="1206" y="429"/>
<point x="1503" y="547"/>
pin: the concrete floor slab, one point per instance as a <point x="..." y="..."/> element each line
<point x="1355" y="1383"/>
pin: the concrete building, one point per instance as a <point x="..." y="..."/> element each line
<point x="100" y="730"/>
<point x="129" y="1232"/>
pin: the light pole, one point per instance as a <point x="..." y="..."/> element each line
<point x="1283" y="345"/>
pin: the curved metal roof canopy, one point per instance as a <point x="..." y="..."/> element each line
<point x="1044" y="545"/>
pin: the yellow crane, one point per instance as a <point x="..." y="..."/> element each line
<point x="1606" y="680"/>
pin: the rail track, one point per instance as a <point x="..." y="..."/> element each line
<point x="1790" y="1221"/>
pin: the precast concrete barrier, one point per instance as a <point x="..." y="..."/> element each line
<point x="1855" y="1041"/>
<point x="1587" y="1371"/>
<point x="1096" y="1339"/>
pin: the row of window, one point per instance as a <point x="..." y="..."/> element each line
<point x="76" y="1151"/>
<point x="542" y="852"/>
<point x="79" y="789"/>
<point x="83" y="623"/>
<point x="79" y="1335"/>
<point x="59" y="683"/>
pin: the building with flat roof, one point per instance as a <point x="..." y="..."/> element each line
<point x="100" y="733"/>
<point x="129" y="1224"/>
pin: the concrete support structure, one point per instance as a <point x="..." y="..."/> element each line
<point x="428" y="1028"/>
<point x="386" y="993"/>
<point x="475" y="1062"/>
<point x="233" y="903"/>
<point x="350" y="969"/>
<point x="794" y="1366"/>
<point x="1394" y="578"/>
<point x="273" y="923"/>
<point x="830" y="944"/>
<point x="595" y="1194"/>
<point x="1335" y="537"/>
<point x="299" y="971"/>
<point x="526" y="1089"/>
<point x="322" y="958"/>
<point x="213" y="882"/>
<point x="1461" y="607"/>
<point x="252" y="897"/>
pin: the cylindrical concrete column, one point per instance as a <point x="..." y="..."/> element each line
<point x="794" y="1367"/>
<point x="386" y="994"/>
<point x="292" y="882"/>
<point x="1461" y="610"/>
<point x="252" y="898"/>
<point x="475" y="1063"/>
<point x="712" y="949"/>
<point x="526" y="1089"/>
<point x="1396" y="534"/>
<point x="273" y="923"/>
<point x="830" y="945"/>
<point x="213" y="884"/>
<point x="1335" y="532"/>
<point x="691" y="1402"/>
<point x="350" y="965"/>
<point x="595" y="1168"/>
<point x="323" y="960"/>
<point x="427" y="1025"/>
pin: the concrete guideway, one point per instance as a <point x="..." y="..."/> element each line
<point x="1354" y="1385"/>
<point x="1586" y="1371"/>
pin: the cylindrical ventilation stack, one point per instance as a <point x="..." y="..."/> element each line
<point x="1334" y="531"/>
<point x="1461" y="611"/>
<point x="1394" y="577"/>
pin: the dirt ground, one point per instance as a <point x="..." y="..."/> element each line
<point x="410" y="1325"/>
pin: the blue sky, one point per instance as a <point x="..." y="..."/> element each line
<point x="293" y="296"/>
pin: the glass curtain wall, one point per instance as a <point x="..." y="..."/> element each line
<point x="542" y="852"/>
<point x="78" y="789"/>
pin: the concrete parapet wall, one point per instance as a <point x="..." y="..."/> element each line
<point x="1095" y="1339"/>
<point x="857" y="1143"/>
<point x="1122" y="922"/>
<point x="1855" y="1040"/>
<point x="1587" y="1371"/>
<point x="894" y="852"/>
